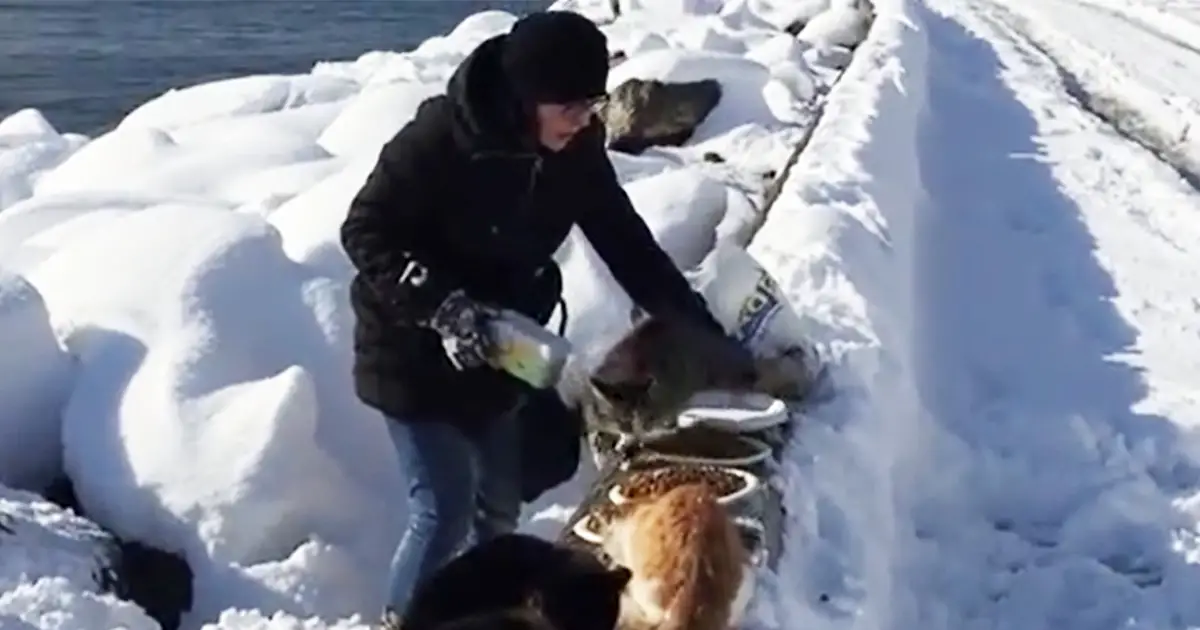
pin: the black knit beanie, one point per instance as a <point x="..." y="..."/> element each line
<point x="556" y="57"/>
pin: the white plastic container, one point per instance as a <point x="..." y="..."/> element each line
<point x="525" y="349"/>
<point x="747" y="301"/>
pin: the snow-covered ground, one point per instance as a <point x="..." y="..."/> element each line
<point x="1002" y="277"/>
<point x="1136" y="67"/>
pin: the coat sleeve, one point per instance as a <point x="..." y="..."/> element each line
<point x="629" y="250"/>
<point x="390" y="226"/>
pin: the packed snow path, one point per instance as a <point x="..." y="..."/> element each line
<point x="1057" y="325"/>
<point x="1137" y="69"/>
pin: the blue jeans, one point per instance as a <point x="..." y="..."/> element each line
<point x="455" y="481"/>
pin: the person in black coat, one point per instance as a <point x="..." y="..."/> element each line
<point x="461" y="215"/>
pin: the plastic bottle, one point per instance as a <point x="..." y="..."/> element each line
<point x="526" y="350"/>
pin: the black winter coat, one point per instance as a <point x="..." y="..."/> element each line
<point x="462" y="197"/>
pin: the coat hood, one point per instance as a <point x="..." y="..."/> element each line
<point x="487" y="115"/>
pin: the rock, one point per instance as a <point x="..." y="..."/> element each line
<point x="157" y="581"/>
<point x="41" y="540"/>
<point x="713" y="157"/>
<point x="795" y="27"/>
<point x="645" y="113"/>
<point x="616" y="58"/>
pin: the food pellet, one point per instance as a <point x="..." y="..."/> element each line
<point x="660" y="480"/>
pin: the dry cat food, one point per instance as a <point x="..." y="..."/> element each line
<point x="705" y="442"/>
<point x="655" y="482"/>
<point x="607" y="511"/>
<point x="604" y="513"/>
<point x="598" y="518"/>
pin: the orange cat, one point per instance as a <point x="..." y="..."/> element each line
<point x="690" y="567"/>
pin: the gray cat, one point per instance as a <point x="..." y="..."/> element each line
<point x="648" y="377"/>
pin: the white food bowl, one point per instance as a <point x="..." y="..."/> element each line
<point x="734" y="411"/>
<point x="762" y="451"/>
<point x="750" y="484"/>
<point x="758" y="553"/>
<point x="584" y="531"/>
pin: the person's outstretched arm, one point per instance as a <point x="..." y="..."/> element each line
<point x="627" y="246"/>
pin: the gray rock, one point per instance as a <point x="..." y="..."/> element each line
<point x="645" y="113"/>
<point x="42" y="539"/>
<point x="39" y="540"/>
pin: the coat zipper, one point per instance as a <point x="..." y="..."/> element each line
<point x="527" y="198"/>
<point x="534" y="171"/>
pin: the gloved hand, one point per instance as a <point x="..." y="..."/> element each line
<point x="461" y="322"/>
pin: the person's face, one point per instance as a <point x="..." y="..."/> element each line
<point x="559" y="122"/>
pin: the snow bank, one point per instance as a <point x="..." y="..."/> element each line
<point x="783" y="13"/>
<point x="213" y="413"/>
<point x="239" y="96"/>
<point x="148" y="159"/>
<point x="374" y="116"/>
<point x="37" y="379"/>
<point x="55" y="602"/>
<point x="36" y="228"/>
<point x="844" y="23"/>
<point x="310" y="223"/>
<point x="29" y="145"/>
<point x="255" y="620"/>
<point x="839" y="241"/>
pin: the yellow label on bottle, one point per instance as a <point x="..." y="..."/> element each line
<point x="521" y="360"/>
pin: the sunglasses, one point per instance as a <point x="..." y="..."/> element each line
<point x="588" y="106"/>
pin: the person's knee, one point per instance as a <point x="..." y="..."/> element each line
<point x="443" y="521"/>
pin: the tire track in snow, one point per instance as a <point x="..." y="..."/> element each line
<point x="1137" y="23"/>
<point x="1142" y="22"/>
<point x="1104" y="92"/>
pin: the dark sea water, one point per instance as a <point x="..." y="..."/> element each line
<point x="85" y="63"/>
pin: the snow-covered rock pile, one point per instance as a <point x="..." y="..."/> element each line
<point x="59" y="570"/>
<point x="40" y="540"/>
<point x="174" y="316"/>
